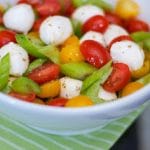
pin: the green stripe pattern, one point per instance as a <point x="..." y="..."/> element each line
<point x="16" y="136"/>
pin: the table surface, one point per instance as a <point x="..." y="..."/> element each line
<point x="16" y="136"/>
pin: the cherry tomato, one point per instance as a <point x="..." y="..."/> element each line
<point x="135" y="25"/>
<point x="49" y="7"/>
<point x="26" y="97"/>
<point x="31" y="2"/>
<point x="60" y="102"/>
<point x="67" y="7"/>
<point x="113" y="18"/>
<point x="7" y="36"/>
<point x="37" y="24"/>
<point x="1" y="18"/>
<point x="96" y="23"/>
<point x="118" y="39"/>
<point x="45" y="73"/>
<point x="94" y="53"/>
<point x="118" y="79"/>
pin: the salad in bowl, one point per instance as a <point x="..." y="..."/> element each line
<point x="64" y="53"/>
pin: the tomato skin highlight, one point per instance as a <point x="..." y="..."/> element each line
<point x="119" y="39"/>
<point x="96" y="23"/>
<point x="118" y="79"/>
<point x="113" y="18"/>
<point x="135" y="25"/>
<point x="59" y="102"/>
<point x="7" y="36"/>
<point x="94" y="53"/>
<point x="25" y="97"/>
<point x="45" y="73"/>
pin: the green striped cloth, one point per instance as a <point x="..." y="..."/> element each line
<point x="16" y="136"/>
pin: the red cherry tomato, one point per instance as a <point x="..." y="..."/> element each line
<point x="97" y="23"/>
<point x="137" y="25"/>
<point x="7" y="36"/>
<point x="37" y="24"/>
<point x="60" y="102"/>
<point x="67" y="7"/>
<point x="113" y="18"/>
<point x="31" y="2"/>
<point x="118" y="39"/>
<point x="26" y="97"/>
<point x="45" y="73"/>
<point x="119" y="77"/>
<point x="49" y="7"/>
<point x="94" y="53"/>
<point x="1" y="18"/>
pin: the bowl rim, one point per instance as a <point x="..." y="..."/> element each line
<point x="120" y="103"/>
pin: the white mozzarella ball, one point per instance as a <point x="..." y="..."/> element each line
<point x="19" y="59"/>
<point x="70" y="87"/>
<point x="105" y="95"/>
<point x="129" y="53"/>
<point x="55" y="30"/>
<point x="83" y="13"/>
<point x="19" y="18"/>
<point x="113" y="31"/>
<point x="95" y="36"/>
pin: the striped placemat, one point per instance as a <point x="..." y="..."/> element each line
<point x="16" y="136"/>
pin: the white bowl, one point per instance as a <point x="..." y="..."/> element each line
<point x="69" y="121"/>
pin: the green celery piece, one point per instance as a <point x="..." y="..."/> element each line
<point x="36" y="63"/>
<point x="4" y="71"/>
<point x="140" y="36"/>
<point x="38" y="50"/>
<point x="145" y="80"/>
<point x="25" y="85"/>
<point x="77" y="26"/>
<point x="77" y="70"/>
<point x="101" y="74"/>
<point x="100" y="3"/>
<point x="146" y="44"/>
<point x="92" y="92"/>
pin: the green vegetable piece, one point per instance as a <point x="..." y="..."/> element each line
<point x="4" y="71"/>
<point x="38" y="50"/>
<point x="77" y="26"/>
<point x="146" y="44"/>
<point x="36" y="63"/>
<point x="140" y="36"/>
<point x="101" y="3"/>
<point x="101" y="75"/>
<point x="77" y="70"/>
<point x="2" y="28"/>
<point x="145" y="80"/>
<point x="25" y="86"/>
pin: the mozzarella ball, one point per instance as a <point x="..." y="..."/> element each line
<point x="19" y="59"/>
<point x="83" y="13"/>
<point x="113" y="31"/>
<point x="70" y="87"/>
<point x="95" y="36"/>
<point x="129" y="53"/>
<point x="19" y="18"/>
<point x="105" y="95"/>
<point x="55" y="30"/>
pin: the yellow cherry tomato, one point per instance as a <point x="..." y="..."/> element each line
<point x="71" y="53"/>
<point x="2" y="9"/>
<point x="38" y="101"/>
<point x="147" y="55"/>
<point x="145" y="69"/>
<point x="73" y="40"/>
<point x="50" y="89"/>
<point x="127" y="9"/>
<point x="131" y="88"/>
<point x="79" y="101"/>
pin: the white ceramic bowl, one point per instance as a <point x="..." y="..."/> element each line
<point x="69" y="121"/>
